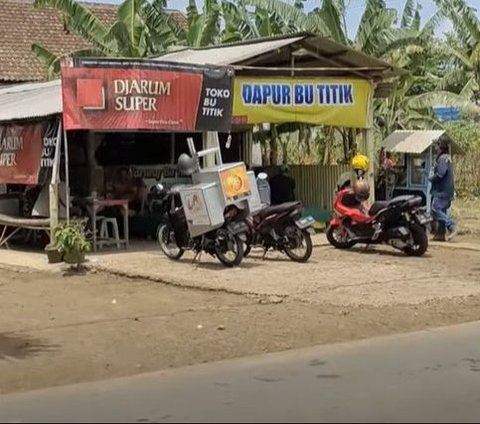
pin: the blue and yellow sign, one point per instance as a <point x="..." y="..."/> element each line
<point x="340" y="102"/>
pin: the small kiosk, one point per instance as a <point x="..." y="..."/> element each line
<point x="413" y="155"/>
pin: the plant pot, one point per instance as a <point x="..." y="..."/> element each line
<point x="53" y="255"/>
<point x="74" y="258"/>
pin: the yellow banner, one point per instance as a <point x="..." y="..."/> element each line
<point x="338" y="102"/>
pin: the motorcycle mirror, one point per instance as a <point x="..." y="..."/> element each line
<point x="229" y="141"/>
<point x="262" y="176"/>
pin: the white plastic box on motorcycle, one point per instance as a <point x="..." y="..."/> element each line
<point x="210" y="214"/>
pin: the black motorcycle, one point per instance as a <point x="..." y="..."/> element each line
<point x="282" y="228"/>
<point x="226" y="242"/>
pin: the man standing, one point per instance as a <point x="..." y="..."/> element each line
<point x="443" y="190"/>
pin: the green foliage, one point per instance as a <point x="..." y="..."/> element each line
<point x="70" y="239"/>
<point x="439" y="71"/>
<point x="465" y="133"/>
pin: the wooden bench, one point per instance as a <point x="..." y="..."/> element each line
<point x="18" y="223"/>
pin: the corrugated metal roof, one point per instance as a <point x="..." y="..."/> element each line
<point x="415" y="142"/>
<point x="227" y="54"/>
<point x="325" y="53"/>
<point x="32" y="100"/>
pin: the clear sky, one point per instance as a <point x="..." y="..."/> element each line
<point x="354" y="11"/>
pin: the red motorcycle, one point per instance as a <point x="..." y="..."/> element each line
<point x="401" y="222"/>
<point x="282" y="228"/>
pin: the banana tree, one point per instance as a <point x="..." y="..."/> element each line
<point x="462" y="71"/>
<point x="142" y="28"/>
<point x="203" y="28"/>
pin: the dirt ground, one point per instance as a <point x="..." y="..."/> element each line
<point x="58" y="329"/>
<point x="379" y="276"/>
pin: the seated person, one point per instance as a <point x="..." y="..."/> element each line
<point x="131" y="189"/>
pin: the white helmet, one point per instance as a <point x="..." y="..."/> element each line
<point x="186" y="164"/>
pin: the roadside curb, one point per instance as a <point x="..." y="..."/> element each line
<point x="458" y="246"/>
<point x="261" y="298"/>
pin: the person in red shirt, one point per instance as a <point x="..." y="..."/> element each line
<point x="388" y="162"/>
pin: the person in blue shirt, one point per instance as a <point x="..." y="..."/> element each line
<point x="443" y="191"/>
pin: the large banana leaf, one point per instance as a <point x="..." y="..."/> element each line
<point x="431" y="99"/>
<point x="289" y="13"/>
<point x="409" y="13"/>
<point x="333" y="13"/>
<point x="50" y="60"/>
<point x="80" y="18"/>
<point x="129" y="14"/>
<point x="463" y="18"/>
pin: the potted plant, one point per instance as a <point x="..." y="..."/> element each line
<point x="71" y="242"/>
<point x="53" y="254"/>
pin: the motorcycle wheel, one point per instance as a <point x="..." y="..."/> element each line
<point x="168" y="245"/>
<point x="338" y="237"/>
<point x="420" y="241"/>
<point x="298" y="239"/>
<point x="228" y="248"/>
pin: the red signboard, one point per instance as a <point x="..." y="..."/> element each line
<point x="20" y="153"/>
<point x="27" y="152"/>
<point x="101" y="94"/>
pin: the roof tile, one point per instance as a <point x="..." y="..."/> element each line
<point x="21" y="25"/>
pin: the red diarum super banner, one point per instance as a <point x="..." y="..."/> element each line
<point x="20" y="153"/>
<point x="106" y="94"/>
<point x="27" y="152"/>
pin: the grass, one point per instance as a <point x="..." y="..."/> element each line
<point x="467" y="215"/>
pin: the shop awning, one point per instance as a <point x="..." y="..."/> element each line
<point x="30" y="101"/>
<point x="414" y="142"/>
<point x="310" y="51"/>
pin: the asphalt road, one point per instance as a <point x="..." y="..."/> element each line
<point x="431" y="376"/>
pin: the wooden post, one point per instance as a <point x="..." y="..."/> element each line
<point x="91" y="162"/>
<point x="67" y="176"/>
<point x="210" y="140"/>
<point x="53" y="189"/>
<point x="368" y="147"/>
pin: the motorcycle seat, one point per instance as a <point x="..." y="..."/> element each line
<point x="283" y="207"/>
<point x="382" y="204"/>
<point x="377" y="207"/>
